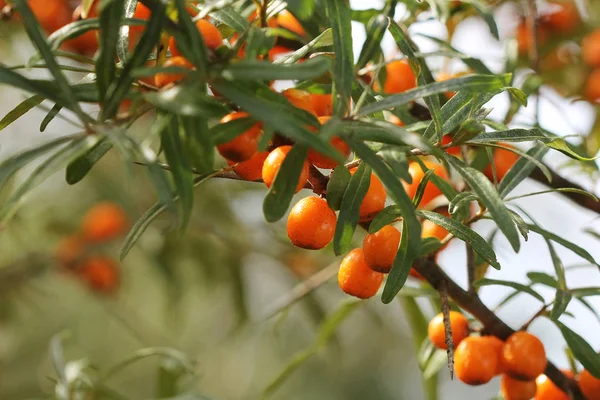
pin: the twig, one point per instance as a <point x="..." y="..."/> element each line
<point x="447" y="328"/>
<point x="317" y="180"/>
<point x="470" y="267"/>
<point x="535" y="316"/>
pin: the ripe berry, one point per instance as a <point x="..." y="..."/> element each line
<point x="499" y="346"/>
<point x="245" y="145"/>
<point x="431" y="191"/>
<point x="322" y="104"/>
<point x="475" y="360"/>
<point x="356" y="278"/>
<point x="380" y="248"/>
<point x="321" y="161"/>
<point x="374" y="200"/>
<point x="524" y="37"/>
<point x="101" y="274"/>
<point x="547" y="390"/>
<point x="286" y="20"/>
<point x="88" y="42"/>
<point x="437" y="332"/>
<point x="430" y="229"/>
<point x="51" y="14"/>
<point x="251" y="169"/>
<point x="300" y="99"/>
<point x="273" y="164"/>
<point x="513" y="389"/>
<point x="277" y="51"/>
<point x="590" y="48"/>
<point x="399" y="77"/>
<point x="211" y="35"/>
<point x="311" y="223"/>
<point x="103" y="222"/>
<point x="69" y="250"/>
<point x="454" y="150"/>
<point x="166" y="78"/>
<point x="524" y="357"/>
<point x="592" y="86"/>
<point x="135" y="32"/>
<point x="563" y="17"/>
<point x="590" y="385"/>
<point x="396" y="121"/>
<point x="503" y="160"/>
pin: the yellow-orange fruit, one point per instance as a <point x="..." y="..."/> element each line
<point x="590" y="48"/>
<point x="273" y="163"/>
<point x="399" y="77"/>
<point x="311" y="223"/>
<point x="563" y="18"/>
<point x="69" y="250"/>
<point x="243" y="146"/>
<point x="251" y="169"/>
<point x="503" y="160"/>
<point x="499" y="346"/>
<point x="104" y="221"/>
<point x="475" y="360"/>
<point x="88" y="42"/>
<point x="524" y="357"/>
<point x="589" y="385"/>
<point x="437" y="332"/>
<point x="322" y="161"/>
<point x="380" y="248"/>
<point x="524" y="37"/>
<point x="592" y="86"/>
<point x="276" y="51"/>
<point x="135" y="32"/>
<point x="454" y="150"/>
<point x="513" y="389"/>
<point x="396" y="121"/>
<point x="322" y="104"/>
<point x="300" y="99"/>
<point x="286" y="20"/>
<point x="431" y="191"/>
<point x="101" y="274"/>
<point x="166" y="78"/>
<point x="210" y="34"/>
<point x="374" y="200"/>
<point x="430" y="229"/>
<point x="356" y="278"/>
<point x="51" y="14"/>
<point x="547" y="390"/>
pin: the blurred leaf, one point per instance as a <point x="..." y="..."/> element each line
<point x="490" y="198"/>
<point x="349" y="211"/>
<point x="487" y="15"/>
<point x="421" y="187"/>
<point x="517" y="286"/>
<point x="222" y="133"/>
<point x="376" y="28"/>
<point x="190" y="41"/>
<point x="473" y="63"/>
<point x="278" y="198"/>
<point x="435" y="363"/>
<point x="20" y="110"/>
<point x="586" y="291"/>
<point x="123" y="38"/>
<point x="79" y="168"/>
<point x="385" y="217"/>
<point x="343" y="63"/>
<point x="521" y="170"/>
<point x="580" y="251"/>
<point x="50" y="116"/>
<point x="198" y="143"/>
<point x="400" y="269"/>
<point x="323" y="40"/>
<point x="587" y="305"/>
<point x="106" y="68"/>
<point x="259" y="70"/>
<point x="430" y="245"/>
<point x="465" y="234"/>
<point x="397" y="161"/>
<point x="559" y="190"/>
<point x="228" y="15"/>
<point x="561" y="145"/>
<point x="542" y="278"/>
<point x="561" y="302"/>
<point x="57" y="356"/>
<point x="582" y="351"/>
<point x="336" y="187"/>
<point x="169" y="375"/>
<point x="187" y="100"/>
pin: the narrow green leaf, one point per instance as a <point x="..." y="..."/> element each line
<point x="336" y="187"/>
<point x="473" y="63"/>
<point x="376" y="28"/>
<point x="278" y="198"/>
<point x="385" y="217"/>
<point x="259" y="70"/>
<point x="79" y="168"/>
<point x="559" y="190"/>
<point x="49" y="117"/>
<point x="349" y="209"/>
<point x="521" y="170"/>
<point x="461" y="200"/>
<point x="561" y="302"/>
<point x="487" y="15"/>
<point x="397" y="161"/>
<point x="225" y="132"/>
<point x="187" y="100"/>
<point x="511" y="135"/>
<point x="400" y="269"/>
<point x="106" y="68"/>
<point x="586" y="291"/>
<point x="323" y="40"/>
<point x="580" y="251"/>
<point x="561" y="145"/>
<point x="430" y="245"/>
<point x="20" y="110"/>
<point x="542" y="278"/>
<point x="582" y="351"/>
<point x="189" y="40"/>
<point x="198" y="143"/>
<point x="517" y="286"/>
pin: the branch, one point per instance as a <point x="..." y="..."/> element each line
<point x="493" y="325"/>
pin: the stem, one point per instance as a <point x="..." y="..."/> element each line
<point x="418" y="326"/>
<point x="470" y="267"/>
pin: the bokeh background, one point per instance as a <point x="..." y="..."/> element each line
<point x="211" y="292"/>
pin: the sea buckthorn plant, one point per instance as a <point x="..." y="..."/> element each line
<point x="393" y="155"/>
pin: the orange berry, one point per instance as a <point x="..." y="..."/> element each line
<point x="499" y="346"/>
<point x="503" y="160"/>
<point x="251" y="169"/>
<point x="429" y="229"/>
<point x="437" y="332"/>
<point x="321" y="161"/>
<point x="431" y="191"/>
<point x="454" y="150"/>
<point x="380" y="248"/>
<point x="286" y="20"/>
<point x="590" y="48"/>
<point x="592" y="86"/>
<point x="374" y="200"/>
<point x="322" y="104"/>
<point x="396" y="121"/>
<point x="100" y="273"/>
<point x="166" y="78"/>
<point x="135" y="32"/>
<point x="273" y="163"/>
<point x="399" y="77"/>
<point x="277" y="51"/>
<point x="590" y="385"/>
<point x="563" y="18"/>
<point x="103" y="222"/>
<point x="211" y="35"/>
<point x="513" y="389"/>
<point x="547" y="390"/>
<point x="475" y="360"/>
<point x="524" y="357"/>
<point x="51" y="14"/>
<point x="245" y="145"/>
<point x="300" y="99"/>
<point x="356" y="278"/>
<point x="524" y="37"/>
<point x="311" y="223"/>
<point x="69" y="250"/>
<point x="88" y="42"/>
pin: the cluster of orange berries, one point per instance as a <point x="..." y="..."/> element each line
<point x="81" y="254"/>
<point x="521" y="360"/>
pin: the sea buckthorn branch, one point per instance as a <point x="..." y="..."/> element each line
<point x="438" y="279"/>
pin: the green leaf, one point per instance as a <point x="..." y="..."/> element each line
<point x="189" y="40"/>
<point x="430" y="245"/>
<point x="542" y="278"/>
<point x="561" y="145"/>
<point x="228" y="15"/>
<point x="468" y="84"/>
<point x="586" y="291"/>
<point x="582" y="351"/>
<point x="461" y="200"/>
<point x="465" y="234"/>
<point x="259" y="70"/>
<point x="385" y="217"/>
<point x="580" y="251"/>
<point x="561" y="302"/>
<point x="487" y="15"/>
<point x="349" y="210"/>
<point x="20" y="110"/>
<point x="278" y="198"/>
<point x="49" y="117"/>
<point x="187" y="100"/>
<point x="559" y="190"/>
<point x="421" y="187"/>
<point x="79" y="168"/>
<point x="338" y="13"/>
<point x="123" y="39"/>
<point x="106" y="69"/>
<point x="336" y="187"/>
<point x="517" y="286"/>
<point x="400" y="269"/>
<point x="376" y="28"/>
<point x="198" y="143"/>
<point x="511" y="135"/>
<point x="323" y="40"/>
<point x="484" y="189"/>
<point x="521" y="170"/>
<point x="222" y="133"/>
<point x="473" y="63"/>
<point x="397" y="161"/>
